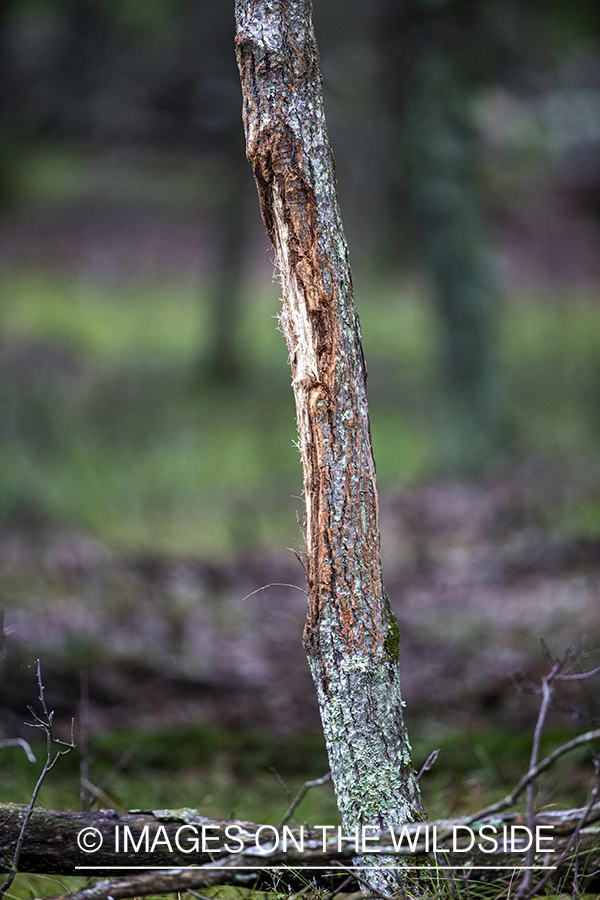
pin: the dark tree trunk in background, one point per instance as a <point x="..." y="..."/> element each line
<point x="9" y="111"/>
<point x="351" y="636"/>
<point x="86" y="57"/>
<point x="446" y="211"/>
<point x="222" y="358"/>
<point x="430" y="60"/>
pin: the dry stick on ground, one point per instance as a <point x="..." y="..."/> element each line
<point x="45" y="722"/>
<point x="547" y="694"/>
<point x="212" y="874"/>
<point x="574" y="841"/>
<point x="161" y="882"/>
<point x="51" y="845"/>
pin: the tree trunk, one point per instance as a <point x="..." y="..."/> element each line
<point x="427" y="91"/>
<point x="223" y="354"/>
<point x="351" y="636"/>
<point x="442" y="188"/>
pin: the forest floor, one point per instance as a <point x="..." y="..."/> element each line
<point x="475" y="575"/>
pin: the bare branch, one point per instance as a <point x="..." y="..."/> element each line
<point x="574" y="841"/>
<point x="533" y="773"/>
<point x="547" y="694"/>
<point x="580" y="676"/>
<point x="429" y="763"/>
<point x="317" y="782"/>
<point x="19" y="742"/>
<point x="274" y="584"/>
<point x="46" y="724"/>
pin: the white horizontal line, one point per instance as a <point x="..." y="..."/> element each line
<point x="300" y="867"/>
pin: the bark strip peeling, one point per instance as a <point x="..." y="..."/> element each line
<point x="351" y="636"/>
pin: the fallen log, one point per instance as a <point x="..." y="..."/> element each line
<point x="60" y="842"/>
<point x="206" y="851"/>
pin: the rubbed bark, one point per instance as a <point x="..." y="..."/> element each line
<point x="351" y="636"/>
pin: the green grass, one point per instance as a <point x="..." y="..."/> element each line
<point x="239" y="774"/>
<point x="104" y="325"/>
<point x="230" y="774"/>
<point x="134" y="446"/>
<point x="222" y="773"/>
<point x="121" y="434"/>
<point x="54" y="173"/>
<point x="550" y="349"/>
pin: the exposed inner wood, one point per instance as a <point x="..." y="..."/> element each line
<point x="351" y="635"/>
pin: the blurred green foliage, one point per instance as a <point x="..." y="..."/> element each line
<point x="222" y="773"/>
<point x="105" y="425"/>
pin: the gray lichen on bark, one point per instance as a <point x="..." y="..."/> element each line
<point x="351" y="635"/>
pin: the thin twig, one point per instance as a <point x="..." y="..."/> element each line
<point x="19" y="742"/>
<point x="45" y="724"/>
<point x="120" y="764"/>
<point x="547" y="694"/>
<point x="340" y="887"/>
<point x="96" y="793"/>
<point x="274" y="584"/>
<point x="317" y="782"/>
<point x="288" y="793"/>
<point x="429" y="763"/>
<point x="532" y="774"/>
<point x="574" y="841"/>
<point x="580" y="676"/>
